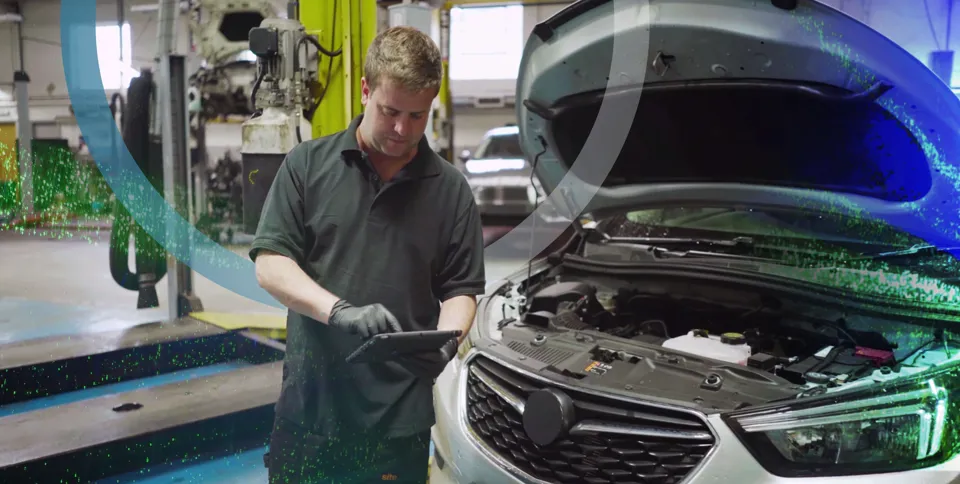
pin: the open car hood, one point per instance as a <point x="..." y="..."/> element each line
<point x="629" y="103"/>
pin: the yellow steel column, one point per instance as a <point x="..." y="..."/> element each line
<point x="350" y="26"/>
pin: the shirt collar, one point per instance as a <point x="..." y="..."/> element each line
<point x="424" y="164"/>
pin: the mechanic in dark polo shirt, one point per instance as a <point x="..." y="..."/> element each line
<point x="368" y="231"/>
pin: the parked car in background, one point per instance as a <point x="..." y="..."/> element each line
<point x="757" y="295"/>
<point x="500" y="177"/>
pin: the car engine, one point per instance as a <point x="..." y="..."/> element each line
<point x="716" y="347"/>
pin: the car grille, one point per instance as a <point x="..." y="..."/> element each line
<point x="611" y="441"/>
<point x="498" y="194"/>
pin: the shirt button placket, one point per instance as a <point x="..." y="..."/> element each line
<point x="376" y="190"/>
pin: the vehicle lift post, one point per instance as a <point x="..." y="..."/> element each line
<point x="349" y="25"/>
<point x="173" y="110"/>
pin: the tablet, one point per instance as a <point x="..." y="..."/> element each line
<point x="388" y="346"/>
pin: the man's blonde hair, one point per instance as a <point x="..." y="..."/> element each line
<point x="405" y="56"/>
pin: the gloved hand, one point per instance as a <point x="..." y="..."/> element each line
<point x="430" y="365"/>
<point x="365" y="321"/>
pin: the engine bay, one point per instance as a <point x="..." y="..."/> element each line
<point x="717" y="347"/>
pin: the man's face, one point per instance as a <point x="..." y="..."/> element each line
<point x="395" y="118"/>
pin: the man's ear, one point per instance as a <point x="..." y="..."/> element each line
<point x="364" y="91"/>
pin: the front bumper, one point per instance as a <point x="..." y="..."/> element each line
<point x="467" y="460"/>
<point x="512" y="195"/>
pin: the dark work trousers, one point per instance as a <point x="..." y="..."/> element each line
<point x="297" y="456"/>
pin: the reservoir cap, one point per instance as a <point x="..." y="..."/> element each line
<point x="733" y="338"/>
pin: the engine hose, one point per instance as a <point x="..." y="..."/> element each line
<point x="829" y="359"/>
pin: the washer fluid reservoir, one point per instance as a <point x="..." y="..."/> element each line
<point x="728" y="347"/>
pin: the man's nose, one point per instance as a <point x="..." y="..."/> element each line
<point x="401" y="127"/>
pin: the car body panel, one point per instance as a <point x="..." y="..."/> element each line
<point x="724" y="41"/>
<point x="467" y="461"/>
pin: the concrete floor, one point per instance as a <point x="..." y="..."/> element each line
<point x="72" y="268"/>
<point x="59" y="282"/>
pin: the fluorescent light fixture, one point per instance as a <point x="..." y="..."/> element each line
<point x="153" y="7"/>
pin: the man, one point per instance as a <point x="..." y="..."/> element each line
<point x="368" y="231"/>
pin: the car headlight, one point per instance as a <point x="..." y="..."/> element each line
<point x="905" y="425"/>
<point x="475" y="330"/>
<point x="493" y="165"/>
<point x="465" y="346"/>
<point x="481" y="322"/>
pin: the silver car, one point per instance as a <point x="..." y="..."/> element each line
<point x="762" y="288"/>
<point x="502" y="180"/>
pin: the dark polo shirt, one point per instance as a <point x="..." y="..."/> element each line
<point x="408" y="244"/>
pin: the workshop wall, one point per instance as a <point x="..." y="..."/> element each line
<point x="483" y="49"/>
<point x="470" y="124"/>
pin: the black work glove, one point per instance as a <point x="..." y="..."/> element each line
<point x="430" y="365"/>
<point x="365" y="321"/>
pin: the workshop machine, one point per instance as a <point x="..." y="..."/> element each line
<point x="280" y="99"/>
<point x="222" y="84"/>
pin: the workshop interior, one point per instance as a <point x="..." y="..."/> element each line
<point x="699" y="309"/>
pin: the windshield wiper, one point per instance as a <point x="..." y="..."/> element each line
<point x="742" y="243"/>
<point x="920" y="250"/>
<point x="737" y="248"/>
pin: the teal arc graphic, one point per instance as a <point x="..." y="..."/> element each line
<point x="82" y="72"/>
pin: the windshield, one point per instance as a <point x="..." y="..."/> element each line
<point x="500" y="146"/>
<point x="830" y="249"/>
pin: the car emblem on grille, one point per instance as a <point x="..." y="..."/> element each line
<point x="547" y="415"/>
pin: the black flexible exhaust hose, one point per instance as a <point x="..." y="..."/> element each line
<point x="150" y="256"/>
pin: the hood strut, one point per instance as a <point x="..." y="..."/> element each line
<point x="540" y="110"/>
<point x="872" y="93"/>
<point x="536" y="206"/>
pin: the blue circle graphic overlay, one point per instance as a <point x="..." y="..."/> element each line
<point x="82" y="72"/>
